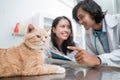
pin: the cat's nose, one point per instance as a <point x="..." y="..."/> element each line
<point x="43" y="41"/>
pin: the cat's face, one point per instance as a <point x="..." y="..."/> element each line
<point x="36" y="38"/>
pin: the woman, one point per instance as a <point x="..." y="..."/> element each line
<point x="62" y="36"/>
<point x="102" y="35"/>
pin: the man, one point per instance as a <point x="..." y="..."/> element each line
<point x="102" y="35"/>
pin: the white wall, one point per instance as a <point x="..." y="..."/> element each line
<point x="31" y="11"/>
<point x="108" y="5"/>
<point x="13" y="11"/>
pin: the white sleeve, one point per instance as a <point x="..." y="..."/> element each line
<point x="112" y="59"/>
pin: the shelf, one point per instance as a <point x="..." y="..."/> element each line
<point x="21" y="35"/>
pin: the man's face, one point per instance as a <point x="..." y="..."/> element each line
<point x="85" y="18"/>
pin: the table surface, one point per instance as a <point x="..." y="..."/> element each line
<point x="75" y="71"/>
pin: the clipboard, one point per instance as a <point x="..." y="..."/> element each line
<point x="59" y="56"/>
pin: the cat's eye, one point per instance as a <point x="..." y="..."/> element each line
<point x="38" y="36"/>
<point x="45" y="37"/>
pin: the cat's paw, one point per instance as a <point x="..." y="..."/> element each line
<point x="61" y="70"/>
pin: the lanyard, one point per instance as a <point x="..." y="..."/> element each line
<point x="96" y="34"/>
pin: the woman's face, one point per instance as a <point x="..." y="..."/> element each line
<point x="62" y="30"/>
<point x="85" y="19"/>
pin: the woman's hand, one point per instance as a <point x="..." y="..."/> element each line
<point x="83" y="57"/>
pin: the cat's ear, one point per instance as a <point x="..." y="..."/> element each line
<point x="30" y="28"/>
<point x="48" y="29"/>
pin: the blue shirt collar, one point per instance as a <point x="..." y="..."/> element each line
<point x="104" y="26"/>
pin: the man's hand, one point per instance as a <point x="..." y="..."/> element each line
<point x="83" y="57"/>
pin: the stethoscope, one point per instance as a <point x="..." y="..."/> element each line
<point x="96" y="34"/>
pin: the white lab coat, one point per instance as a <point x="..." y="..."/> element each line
<point x="113" y="28"/>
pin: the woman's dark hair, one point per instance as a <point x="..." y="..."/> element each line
<point x="68" y="42"/>
<point x="91" y="7"/>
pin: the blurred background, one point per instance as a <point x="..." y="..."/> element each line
<point x="15" y="15"/>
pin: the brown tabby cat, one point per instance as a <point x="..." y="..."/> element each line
<point x="28" y="57"/>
